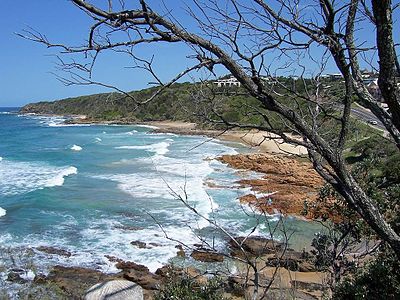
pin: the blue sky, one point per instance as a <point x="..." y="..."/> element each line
<point x="25" y="67"/>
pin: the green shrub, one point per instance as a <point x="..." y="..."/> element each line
<point x="186" y="288"/>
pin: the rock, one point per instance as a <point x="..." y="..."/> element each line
<point x="287" y="263"/>
<point x="74" y="281"/>
<point x="53" y="250"/>
<point x="139" y="244"/>
<point x="254" y="246"/>
<point x="15" y="277"/>
<point x="139" y="274"/>
<point x="128" y="228"/>
<point x="115" y="290"/>
<point x="306" y="266"/>
<point x="207" y="255"/>
<point x="293" y="261"/>
<point x="168" y="270"/>
<point x="128" y="265"/>
<point x="39" y="279"/>
<point x="308" y="286"/>
<point x="181" y="252"/>
<point x="113" y="259"/>
<point x="285" y="188"/>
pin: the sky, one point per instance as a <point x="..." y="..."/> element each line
<point x="26" y="68"/>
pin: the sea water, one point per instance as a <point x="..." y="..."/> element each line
<point x="92" y="189"/>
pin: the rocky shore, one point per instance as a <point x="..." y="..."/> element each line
<point x="292" y="272"/>
<point x="286" y="186"/>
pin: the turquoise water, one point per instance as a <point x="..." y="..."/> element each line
<point x="92" y="190"/>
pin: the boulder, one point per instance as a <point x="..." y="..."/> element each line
<point x="139" y="274"/>
<point x="254" y="246"/>
<point x="15" y="277"/>
<point x="207" y="255"/>
<point x="293" y="261"/>
<point x="115" y="290"/>
<point x="53" y="250"/>
<point x="139" y="244"/>
<point x="74" y="281"/>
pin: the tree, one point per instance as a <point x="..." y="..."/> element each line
<point x="255" y="39"/>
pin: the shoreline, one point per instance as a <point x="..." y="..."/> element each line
<point x="256" y="140"/>
<point x="248" y="139"/>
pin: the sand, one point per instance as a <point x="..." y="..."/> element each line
<point x="261" y="141"/>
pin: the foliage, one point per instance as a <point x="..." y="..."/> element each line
<point x="186" y="288"/>
<point x="379" y="279"/>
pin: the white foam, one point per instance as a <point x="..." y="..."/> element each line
<point x="1" y="158"/>
<point x="158" y="148"/>
<point x="146" y="126"/>
<point x="170" y="179"/>
<point x="3" y="212"/>
<point x="58" y="180"/>
<point x="28" y="275"/>
<point x="76" y="148"/>
<point x="132" y="132"/>
<point x="23" y="177"/>
<point x="98" y="139"/>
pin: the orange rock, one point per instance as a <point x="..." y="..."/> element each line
<point x="286" y="185"/>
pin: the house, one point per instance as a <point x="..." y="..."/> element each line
<point x="334" y="76"/>
<point x="229" y="82"/>
<point x="373" y="89"/>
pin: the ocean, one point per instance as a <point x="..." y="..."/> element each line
<point x="93" y="189"/>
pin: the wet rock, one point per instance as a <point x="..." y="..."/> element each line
<point x="113" y="259"/>
<point x="15" y="277"/>
<point x="181" y="252"/>
<point x="207" y="255"/>
<point x="128" y="228"/>
<point x="140" y="245"/>
<point x="53" y="250"/>
<point x="254" y="246"/>
<point x="40" y="279"/>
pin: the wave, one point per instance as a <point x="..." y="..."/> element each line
<point x="146" y="126"/>
<point x="98" y="139"/>
<point x="23" y="177"/>
<point x="59" y="179"/>
<point x="158" y="148"/>
<point x="132" y="132"/>
<point x="1" y="158"/>
<point x="169" y="179"/>
<point x="76" y="148"/>
<point x="3" y="212"/>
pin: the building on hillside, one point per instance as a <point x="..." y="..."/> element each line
<point x="373" y="89"/>
<point x="334" y="76"/>
<point x="229" y="82"/>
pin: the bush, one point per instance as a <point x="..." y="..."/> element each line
<point x="186" y="288"/>
<point x="379" y="279"/>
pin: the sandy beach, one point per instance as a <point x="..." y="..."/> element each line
<point x="261" y="141"/>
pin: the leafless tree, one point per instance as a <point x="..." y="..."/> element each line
<point x="253" y="39"/>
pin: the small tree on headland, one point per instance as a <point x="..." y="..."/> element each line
<point x="255" y="41"/>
